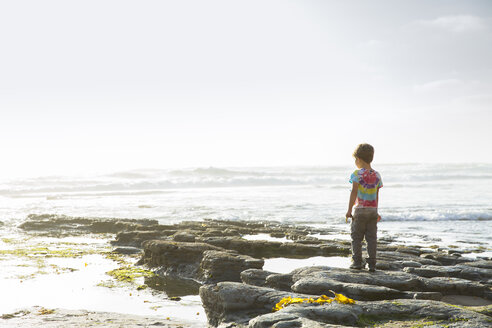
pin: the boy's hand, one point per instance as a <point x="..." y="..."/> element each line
<point x="379" y="217"/>
<point x="348" y="215"/>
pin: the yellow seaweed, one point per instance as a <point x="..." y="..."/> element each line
<point x="323" y="299"/>
<point x="342" y="299"/>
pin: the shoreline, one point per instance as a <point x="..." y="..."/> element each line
<point x="207" y="253"/>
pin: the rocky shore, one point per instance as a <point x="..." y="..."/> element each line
<point x="412" y="287"/>
<point x="55" y="318"/>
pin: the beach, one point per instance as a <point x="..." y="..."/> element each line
<point x="428" y="206"/>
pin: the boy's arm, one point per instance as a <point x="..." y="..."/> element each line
<point x="353" y="197"/>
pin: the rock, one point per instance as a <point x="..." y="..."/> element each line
<point x="227" y="303"/>
<point x="225" y="266"/>
<point x="175" y="258"/>
<point x="309" y="315"/>
<point x="409" y="250"/>
<point x="394" y="280"/>
<point x="263" y="278"/>
<point x="271" y="249"/>
<point x="236" y="302"/>
<point x="445" y="259"/>
<point x="55" y="318"/>
<point x="280" y="281"/>
<point x="184" y="236"/>
<point x="136" y="238"/>
<point x="321" y="284"/>
<point x="201" y="262"/>
<point x="66" y="225"/>
<point x="410" y="264"/>
<point x="456" y="286"/>
<point x="127" y="250"/>
<point x="255" y="277"/>
<point x="458" y="271"/>
<point x="484" y="264"/>
<point x="396" y="260"/>
<point x="363" y="285"/>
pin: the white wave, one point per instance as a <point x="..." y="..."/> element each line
<point x="439" y="216"/>
<point x="336" y="177"/>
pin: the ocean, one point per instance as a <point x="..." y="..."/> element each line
<point x="429" y="204"/>
<point x="310" y="195"/>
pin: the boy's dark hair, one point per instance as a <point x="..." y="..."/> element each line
<point x="364" y="152"/>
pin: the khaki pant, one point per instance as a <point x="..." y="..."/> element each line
<point x="364" y="224"/>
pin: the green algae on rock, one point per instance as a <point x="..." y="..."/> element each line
<point x="129" y="273"/>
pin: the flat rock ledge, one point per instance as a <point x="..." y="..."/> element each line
<point x="410" y="287"/>
<point x="51" y="318"/>
<point x="200" y="262"/>
<point x="230" y="304"/>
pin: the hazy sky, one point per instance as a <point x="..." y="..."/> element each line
<point x="111" y="85"/>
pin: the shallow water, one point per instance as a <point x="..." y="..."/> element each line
<point x="74" y="283"/>
<point x="267" y="237"/>
<point x="286" y="265"/>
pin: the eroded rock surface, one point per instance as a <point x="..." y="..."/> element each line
<point x="62" y="224"/>
<point x="219" y="257"/>
<point x="251" y="306"/>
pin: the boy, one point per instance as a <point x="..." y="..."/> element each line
<point x="365" y="193"/>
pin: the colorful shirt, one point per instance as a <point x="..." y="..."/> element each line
<point x="369" y="183"/>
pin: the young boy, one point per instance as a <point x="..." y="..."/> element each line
<point x="365" y="194"/>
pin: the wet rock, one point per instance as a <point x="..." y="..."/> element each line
<point x="270" y="249"/>
<point x="456" y="286"/>
<point x="225" y="266"/>
<point x="201" y="262"/>
<point x="484" y="264"/>
<point x="136" y="238"/>
<point x="255" y="277"/>
<point x="445" y="259"/>
<point x="236" y="302"/>
<point x="184" y="236"/>
<point x="394" y="260"/>
<point x="62" y="224"/>
<point x="280" y="281"/>
<point x="263" y="278"/>
<point x="394" y="280"/>
<point x="54" y="318"/>
<point x="321" y="284"/>
<point x="309" y="315"/>
<point x="457" y="271"/>
<point x="127" y="250"/>
<point x="363" y="285"/>
<point x="409" y="250"/>
<point x="227" y="303"/>
<point x="175" y="258"/>
<point x="277" y="234"/>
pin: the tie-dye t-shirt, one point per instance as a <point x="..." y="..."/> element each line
<point x="369" y="182"/>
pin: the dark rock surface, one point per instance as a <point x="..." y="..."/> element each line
<point x="62" y="224"/>
<point x="219" y="266"/>
<point x="458" y="271"/>
<point x="250" y="306"/>
<point x="219" y="257"/>
<point x="35" y="317"/>
<point x="199" y="261"/>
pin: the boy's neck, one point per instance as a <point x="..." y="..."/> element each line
<point x="366" y="166"/>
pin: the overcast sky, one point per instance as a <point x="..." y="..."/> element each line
<point x="109" y="85"/>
